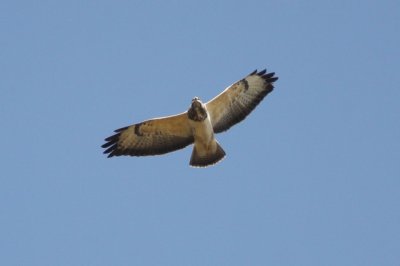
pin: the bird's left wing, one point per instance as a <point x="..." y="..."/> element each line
<point x="238" y="100"/>
<point x="151" y="137"/>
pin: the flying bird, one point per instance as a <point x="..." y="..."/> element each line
<point x="197" y="125"/>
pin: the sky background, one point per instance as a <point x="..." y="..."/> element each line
<point x="311" y="177"/>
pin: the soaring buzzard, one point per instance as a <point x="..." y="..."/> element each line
<point x="197" y="125"/>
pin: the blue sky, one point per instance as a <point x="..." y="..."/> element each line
<point x="311" y="177"/>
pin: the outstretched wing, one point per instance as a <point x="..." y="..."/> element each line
<point x="152" y="137"/>
<point x="238" y="100"/>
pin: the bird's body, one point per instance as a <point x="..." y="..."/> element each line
<point x="198" y="125"/>
<point x="206" y="150"/>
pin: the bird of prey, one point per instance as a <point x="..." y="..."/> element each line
<point x="197" y="125"/>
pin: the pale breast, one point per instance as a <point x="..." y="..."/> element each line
<point x="202" y="131"/>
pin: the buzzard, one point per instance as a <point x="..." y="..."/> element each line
<point x="197" y="125"/>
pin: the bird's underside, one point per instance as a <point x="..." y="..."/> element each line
<point x="196" y="126"/>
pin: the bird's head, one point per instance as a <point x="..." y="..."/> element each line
<point x="196" y="102"/>
<point x="197" y="110"/>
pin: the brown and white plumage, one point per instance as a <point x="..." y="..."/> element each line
<point x="237" y="101"/>
<point x="197" y="125"/>
<point x="151" y="137"/>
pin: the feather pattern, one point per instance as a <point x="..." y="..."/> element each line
<point x="152" y="137"/>
<point x="238" y="100"/>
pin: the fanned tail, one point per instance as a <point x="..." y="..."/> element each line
<point x="211" y="156"/>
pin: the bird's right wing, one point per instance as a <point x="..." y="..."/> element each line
<point x="151" y="137"/>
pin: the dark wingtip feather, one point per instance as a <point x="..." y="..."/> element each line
<point x="105" y="145"/>
<point x="271" y="80"/>
<point x="252" y="73"/>
<point x="108" y="143"/>
<point x="120" y="129"/>
<point x="268" y="77"/>
<point x="111" y="144"/>
<point x="112" y="138"/>
<point x="262" y="72"/>
<point x="110" y="149"/>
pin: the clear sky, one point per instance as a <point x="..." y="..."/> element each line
<point x="311" y="177"/>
